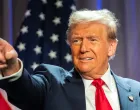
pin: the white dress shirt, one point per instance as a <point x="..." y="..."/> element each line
<point x="109" y="88"/>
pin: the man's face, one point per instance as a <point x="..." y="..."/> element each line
<point x="90" y="48"/>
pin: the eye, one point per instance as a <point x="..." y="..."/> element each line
<point x="92" y="39"/>
<point x="76" y="41"/>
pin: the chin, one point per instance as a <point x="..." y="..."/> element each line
<point x="84" y="69"/>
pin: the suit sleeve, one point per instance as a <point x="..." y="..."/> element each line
<point x="28" y="91"/>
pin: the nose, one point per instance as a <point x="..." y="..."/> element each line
<point x="84" y="46"/>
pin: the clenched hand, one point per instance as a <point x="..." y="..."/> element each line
<point x="9" y="63"/>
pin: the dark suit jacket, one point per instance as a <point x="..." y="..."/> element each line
<point x="53" y="88"/>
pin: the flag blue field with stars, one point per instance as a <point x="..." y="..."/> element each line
<point x="42" y="37"/>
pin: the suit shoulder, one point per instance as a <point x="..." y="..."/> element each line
<point x="128" y="81"/>
<point x="53" y="72"/>
<point x="132" y="83"/>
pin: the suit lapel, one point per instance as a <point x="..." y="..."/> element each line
<point x="126" y="97"/>
<point x="75" y="91"/>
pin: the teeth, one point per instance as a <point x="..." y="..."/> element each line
<point x="85" y="58"/>
<point x="88" y="58"/>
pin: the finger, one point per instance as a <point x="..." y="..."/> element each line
<point x="11" y="55"/>
<point x="3" y="66"/>
<point x="5" y="46"/>
<point x="2" y="41"/>
<point x="2" y="58"/>
<point x="7" y="50"/>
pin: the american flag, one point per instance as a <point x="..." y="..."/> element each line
<point x="42" y="37"/>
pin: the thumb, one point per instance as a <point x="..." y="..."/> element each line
<point x="11" y="62"/>
<point x="12" y="54"/>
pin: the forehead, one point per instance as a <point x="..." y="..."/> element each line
<point x="88" y="28"/>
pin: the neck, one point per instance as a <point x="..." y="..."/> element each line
<point x="95" y="74"/>
<point x="91" y="77"/>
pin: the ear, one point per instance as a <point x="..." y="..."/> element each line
<point x="112" y="47"/>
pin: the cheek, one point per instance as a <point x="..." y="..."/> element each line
<point x="74" y="50"/>
<point x="75" y="54"/>
<point x="100" y="51"/>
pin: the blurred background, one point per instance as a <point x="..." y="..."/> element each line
<point x="36" y="28"/>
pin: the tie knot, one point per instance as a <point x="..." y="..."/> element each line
<point x="98" y="83"/>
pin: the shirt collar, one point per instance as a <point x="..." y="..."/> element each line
<point x="107" y="78"/>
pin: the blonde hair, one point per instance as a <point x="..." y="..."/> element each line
<point x="103" y="16"/>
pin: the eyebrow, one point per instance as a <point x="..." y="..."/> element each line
<point x="88" y="36"/>
<point x="76" y="36"/>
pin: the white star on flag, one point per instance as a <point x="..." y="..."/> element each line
<point x="59" y="4"/>
<point x="37" y="50"/>
<point x="52" y="54"/>
<point x="42" y="16"/>
<point x="21" y="46"/>
<point x="44" y="1"/>
<point x="34" y="65"/>
<point x="56" y="20"/>
<point x="28" y="13"/>
<point x="54" y="38"/>
<point x="68" y="58"/>
<point x="24" y="29"/>
<point x="42" y="33"/>
<point x="39" y="32"/>
<point x="73" y="8"/>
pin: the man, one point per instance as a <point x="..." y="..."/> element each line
<point x="90" y="85"/>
